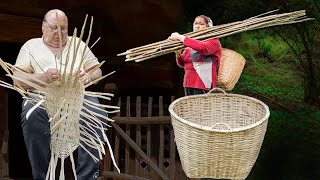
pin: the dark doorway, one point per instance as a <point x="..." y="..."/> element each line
<point x="19" y="166"/>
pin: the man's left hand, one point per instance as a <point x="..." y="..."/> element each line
<point x="87" y="80"/>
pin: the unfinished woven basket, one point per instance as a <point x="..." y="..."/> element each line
<point x="218" y="135"/>
<point x="231" y="66"/>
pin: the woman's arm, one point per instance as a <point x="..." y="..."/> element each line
<point x="204" y="48"/>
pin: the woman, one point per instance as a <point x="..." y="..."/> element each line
<point x="200" y="60"/>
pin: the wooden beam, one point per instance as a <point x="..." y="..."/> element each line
<point x="115" y="175"/>
<point x="143" y="120"/>
<point x="18" y="28"/>
<point x="22" y="8"/>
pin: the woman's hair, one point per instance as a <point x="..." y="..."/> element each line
<point x="207" y="20"/>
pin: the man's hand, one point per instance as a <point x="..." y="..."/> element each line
<point x="176" y="36"/>
<point x="52" y="75"/>
<point x="85" y="81"/>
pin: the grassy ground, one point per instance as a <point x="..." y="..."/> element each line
<point x="291" y="146"/>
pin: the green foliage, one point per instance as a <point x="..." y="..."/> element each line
<point x="289" y="148"/>
<point x="272" y="76"/>
<point x="259" y="44"/>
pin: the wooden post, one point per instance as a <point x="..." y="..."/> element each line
<point x="161" y="148"/>
<point x="117" y="141"/>
<point x="142" y="154"/>
<point x="152" y="174"/>
<point x="138" y="168"/>
<point x="172" y="166"/>
<point x="127" y="150"/>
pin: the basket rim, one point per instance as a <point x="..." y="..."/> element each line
<point x="206" y="128"/>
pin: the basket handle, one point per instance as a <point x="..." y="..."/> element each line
<point x="221" y="124"/>
<point x="216" y="89"/>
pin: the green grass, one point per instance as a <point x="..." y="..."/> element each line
<point x="270" y="69"/>
<point x="291" y="148"/>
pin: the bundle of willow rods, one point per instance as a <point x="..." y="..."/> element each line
<point x="257" y="22"/>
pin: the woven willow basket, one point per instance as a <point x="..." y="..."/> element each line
<point x="218" y="135"/>
<point x="231" y="66"/>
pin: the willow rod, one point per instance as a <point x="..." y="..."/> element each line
<point x="257" y="22"/>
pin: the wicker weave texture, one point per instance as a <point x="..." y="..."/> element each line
<point x="218" y="135"/>
<point x="65" y="131"/>
<point x="231" y="66"/>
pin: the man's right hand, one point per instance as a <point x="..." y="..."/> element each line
<point x="51" y="75"/>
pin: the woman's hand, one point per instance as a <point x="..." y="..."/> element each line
<point x="178" y="53"/>
<point x="176" y="36"/>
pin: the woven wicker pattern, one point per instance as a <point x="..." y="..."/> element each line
<point x="231" y="66"/>
<point x="65" y="130"/>
<point x="218" y="135"/>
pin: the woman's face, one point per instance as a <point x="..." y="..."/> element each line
<point x="199" y="24"/>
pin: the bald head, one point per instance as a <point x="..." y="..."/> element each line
<point x="50" y="27"/>
<point x="52" y="15"/>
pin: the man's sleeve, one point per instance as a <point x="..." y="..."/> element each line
<point x="23" y="61"/>
<point x="90" y="60"/>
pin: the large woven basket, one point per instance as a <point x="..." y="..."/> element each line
<point x="230" y="69"/>
<point x="218" y="135"/>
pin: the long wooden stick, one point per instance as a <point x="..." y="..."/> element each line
<point x="257" y="22"/>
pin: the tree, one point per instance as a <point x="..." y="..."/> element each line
<point x="303" y="39"/>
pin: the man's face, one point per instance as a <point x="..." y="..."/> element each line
<point x="51" y="32"/>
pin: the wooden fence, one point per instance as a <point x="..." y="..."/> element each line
<point x="143" y="141"/>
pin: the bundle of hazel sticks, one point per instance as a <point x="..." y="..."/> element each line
<point x="257" y="22"/>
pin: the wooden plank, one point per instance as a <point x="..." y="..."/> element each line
<point x="107" y="163"/>
<point x="151" y="172"/>
<point x="128" y="112"/>
<point x="19" y="28"/>
<point x="137" y="149"/>
<point x="143" y="120"/>
<point x="138" y="168"/>
<point x="122" y="176"/>
<point x="161" y="148"/>
<point x="22" y="9"/>
<point x="172" y="160"/>
<point x="138" y="107"/>
<point x="119" y="105"/>
<point x="160" y="105"/>
<point x="117" y="142"/>
<point x="107" y="160"/>
<point x="127" y="150"/>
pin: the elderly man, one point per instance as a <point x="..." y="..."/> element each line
<point x="40" y="58"/>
